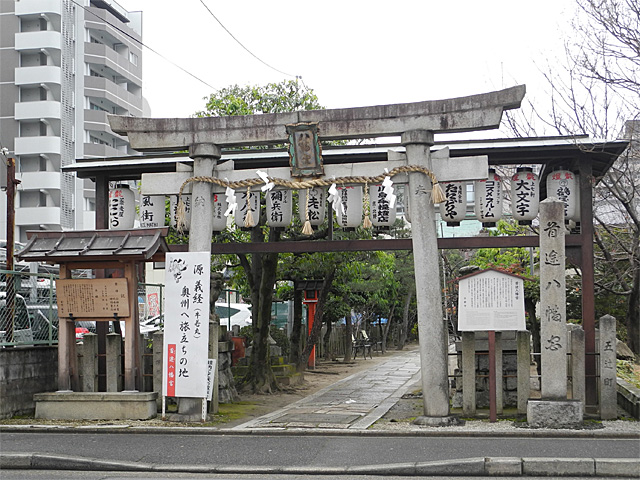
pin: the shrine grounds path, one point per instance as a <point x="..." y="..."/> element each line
<point x="357" y="425"/>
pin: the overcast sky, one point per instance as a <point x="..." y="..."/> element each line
<point x="351" y="52"/>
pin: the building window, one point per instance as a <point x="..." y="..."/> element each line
<point x="133" y="58"/>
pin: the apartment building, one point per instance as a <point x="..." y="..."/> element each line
<point x="64" y="65"/>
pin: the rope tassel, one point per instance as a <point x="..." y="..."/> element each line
<point x="366" y="223"/>
<point x="437" y="195"/>
<point x="181" y="215"/>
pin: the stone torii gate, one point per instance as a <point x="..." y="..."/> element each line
<point x="416" y="123"/>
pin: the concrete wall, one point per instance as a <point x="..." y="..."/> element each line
<point x="23" y="372"/>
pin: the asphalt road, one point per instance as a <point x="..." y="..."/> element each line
<point x="316" y="450"/>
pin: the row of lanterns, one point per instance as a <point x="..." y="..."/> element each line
<point x="279" y="207"/>
<point x="525" y="197"/>
<point x="348" y="203"/>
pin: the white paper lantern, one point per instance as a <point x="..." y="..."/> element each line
<point x="152" y="211"/>
<point x="454" y="208"/>
<point x="488" y="199"/>
<point x="351" y="199"/>
<point x="279" y="208"/>
<point x="122" y="208"/>
<point x="562" y="185"/>
<point x="317" y="205"/>
<point x="242" y="210"/>
<point x="219" y="207"/>
<point x="381" y="212"/>
<point x="173" y="208"/>
<point x="525" y="197"/>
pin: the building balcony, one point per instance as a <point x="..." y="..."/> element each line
<point x="98" y="54"/>
<point x="35" y="110"/>
<point x="37" y="145"/>
<point x="39" y="180"/>
<point x="101" y="150"/>
<point x="100" y="87"/>
<point x="38" y="75"/>
<point x="36" y="7"/>
<point x="37" y="216"/>
<point x="25" y="41"/>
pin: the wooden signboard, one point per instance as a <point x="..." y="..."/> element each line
<point x="95" y="298"/>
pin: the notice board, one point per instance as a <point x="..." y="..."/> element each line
<point x="94" y="298"/>
<point x="491" y="300"/>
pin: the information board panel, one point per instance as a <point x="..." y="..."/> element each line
<point x="186" y="324"/>
<point x="491" y="300"/>
<point x="94" y="298"/>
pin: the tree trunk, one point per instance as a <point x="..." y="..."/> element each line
<point x="402" y="340"/>
<point x="328" y="355"/>
<point x="534" y="326"/>
<point x="261" y="276"/>
<point x="385" y="331"/>
<point x="633" y="314"/>
<point x="296" y="330"/>
<point x="348" y="338"/>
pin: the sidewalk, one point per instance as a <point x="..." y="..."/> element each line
<point x="353" y="403"/>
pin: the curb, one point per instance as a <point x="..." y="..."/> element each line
<point x="312" y="432"/>
<point x="483" y="466"/>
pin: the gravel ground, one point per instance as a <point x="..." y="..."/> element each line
<point x="400" y="416"/>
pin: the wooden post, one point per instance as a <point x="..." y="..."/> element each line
<point x="132" y="332"/>
<point x="499" y="375"/>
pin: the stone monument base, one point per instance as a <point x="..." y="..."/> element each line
<point x="554" y="413"/>
<point x="449" y="421"/>
<point x="96" y="405"/>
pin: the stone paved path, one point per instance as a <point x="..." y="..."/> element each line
<point x="355" y="402"/>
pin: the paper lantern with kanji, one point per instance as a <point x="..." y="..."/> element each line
<point x="219" y="208"/>
<point x="562" y="185"/>
<point x="122" y="208"/>
<point x="488" y="199"/>
<point x="454" y="208"/>
<point x="317" y="205"/>
<point x="382" y="213"/>
<point x="351" y="200"/>
<point x="152" y="211"/>
<point x="173" y="208"/>
<point x="242" y="211"/>
<point x="279" y="207"/>
<point x="525" y="196"/>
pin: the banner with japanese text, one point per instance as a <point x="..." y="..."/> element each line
<point x="186" y="324"/>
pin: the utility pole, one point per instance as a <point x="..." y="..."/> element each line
<point x="11" y="222"/>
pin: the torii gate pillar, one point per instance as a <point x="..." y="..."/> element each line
<point x="205" y="158"/>
<point x="431" y="325"/>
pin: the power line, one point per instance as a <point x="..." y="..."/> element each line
<point x="127" y="34"/>
<point x="240" y="43"/>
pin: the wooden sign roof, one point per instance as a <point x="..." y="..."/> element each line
<point x="95" y="246"/>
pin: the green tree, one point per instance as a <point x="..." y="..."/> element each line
<point x="260" y="269"/>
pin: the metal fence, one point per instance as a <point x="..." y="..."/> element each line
<point x="28" y="308"/>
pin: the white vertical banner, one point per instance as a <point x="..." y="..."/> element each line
<point x="186" y="324"/>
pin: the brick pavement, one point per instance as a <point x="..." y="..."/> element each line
<point x="353" y="403"/>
